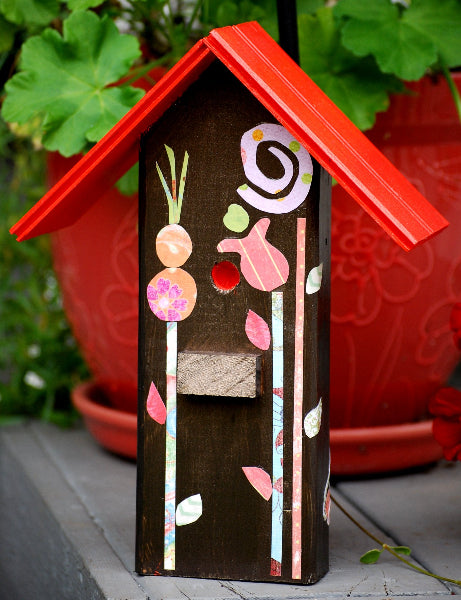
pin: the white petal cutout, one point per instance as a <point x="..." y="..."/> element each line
<point x="314" y="279"/>
<point x="189" y="510"/>
<point x="313" y="420"/>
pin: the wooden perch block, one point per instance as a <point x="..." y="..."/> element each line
<point x="209" y="374"/>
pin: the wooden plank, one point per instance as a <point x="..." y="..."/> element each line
<point x="216" y="439"/>
<point x="211" y="374"/>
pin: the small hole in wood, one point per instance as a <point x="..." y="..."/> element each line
<point x="225" y="276"/>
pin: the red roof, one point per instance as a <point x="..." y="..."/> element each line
<point x="293" y="99"/>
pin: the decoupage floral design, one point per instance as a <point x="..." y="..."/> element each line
<point x="165" y="300"/>
<point x="364" y="257"/>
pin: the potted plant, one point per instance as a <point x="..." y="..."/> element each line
<point x="73" y="54"/>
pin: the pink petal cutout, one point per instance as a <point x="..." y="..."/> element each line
<point x="260" y="480"/>
<point x="155" y="405"/>
<point x="257" y="331"/>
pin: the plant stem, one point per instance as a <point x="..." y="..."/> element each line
<point x="356" y="523"/>
<point x="141" y="71"/>
<point x="453" y="89"/>
<point x="389" y="548"/>
<point x="420" y="569"/>
<point x="206" y="11"/>
<point x="193" y="17"/>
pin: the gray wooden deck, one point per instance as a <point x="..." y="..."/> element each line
<point x="67" y="526"/>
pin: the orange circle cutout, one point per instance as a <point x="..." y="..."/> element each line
<point x="173" y="245"/>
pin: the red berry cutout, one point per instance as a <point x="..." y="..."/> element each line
<point x="225" y="276"/>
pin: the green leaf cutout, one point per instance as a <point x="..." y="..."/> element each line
<point x="174" y="196"/>
<point x="371" y="557"/>
<point x="29" y="12"/>
<point x="65" y="79"/>
<point x="404" y="41"/>
<point x="354" y="84"/>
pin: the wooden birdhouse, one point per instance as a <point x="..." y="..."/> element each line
<point x="236" y="148"/>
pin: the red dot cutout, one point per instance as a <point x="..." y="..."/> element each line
<point x="225" y="276"/>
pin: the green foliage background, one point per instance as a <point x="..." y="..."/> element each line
<point x="39" y="359"/>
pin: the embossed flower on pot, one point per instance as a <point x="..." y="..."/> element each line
<point x="364" y="257"/>
<point x="171" y="295"/>
<point x="446" y="407"/>
<point x="439" y="327"/>
<point x="455" y="324"/>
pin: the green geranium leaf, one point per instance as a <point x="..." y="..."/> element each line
<point x="33" y="12"/>
<point x="439" y="20"/>
<point x="404" y="41"/>
<point x="382" y="31"/>
<point x="83" y="4"/>
<point x="354" y="84"/>
<point x="65" y="80"/>
<point x="402" y="550"/>
<point x="309" y="7"/>
<point x="371" y="557"/>
<point x="7" y="32"/>
<point x="227" y="14"/>
<point x="230" y="13"/>
<point x="128" y="183"/>
<point x="373" y="11"/>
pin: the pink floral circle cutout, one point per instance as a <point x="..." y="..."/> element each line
<point x="171" y="294"/>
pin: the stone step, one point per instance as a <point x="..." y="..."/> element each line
<point x="67" y="529"/>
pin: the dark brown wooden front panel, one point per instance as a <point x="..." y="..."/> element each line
<point x="217" y="436"/>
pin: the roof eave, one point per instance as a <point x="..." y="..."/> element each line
<point x="113" y="155"/>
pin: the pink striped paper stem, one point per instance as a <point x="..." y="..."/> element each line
<point x="298" y="399"/>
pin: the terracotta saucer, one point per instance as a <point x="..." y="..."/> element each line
<point x="383" y="449"/>
<point x="355" y="451"/>
<point x="114" y="429"/>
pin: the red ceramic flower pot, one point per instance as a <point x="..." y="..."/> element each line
<point x="391" y="345"/>
<point x="96" y="262"/>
